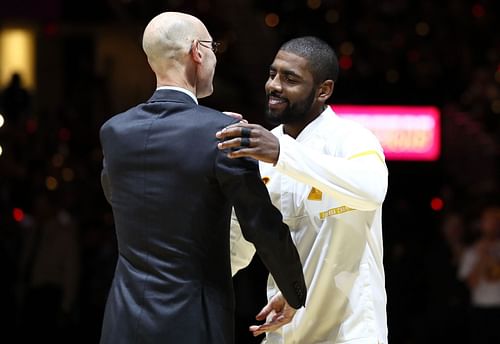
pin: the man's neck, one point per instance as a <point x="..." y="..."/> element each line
<point x="294" y="129"/>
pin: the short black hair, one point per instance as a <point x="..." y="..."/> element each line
<point x="321" y="57"/>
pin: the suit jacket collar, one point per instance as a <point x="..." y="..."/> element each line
<point x="170" y="95"/>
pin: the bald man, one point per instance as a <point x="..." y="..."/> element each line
<point x="172" y="191"/>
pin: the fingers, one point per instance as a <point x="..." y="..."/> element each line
<point x="246" y="132"/>
<point x="269" y="326"/>
<point x="249" y="140"/>
<point x="226" y="133"/>
<point x="235" y="130"/>
<point x="256" y="330"/>
<point x="238" y="142"/>
<point x="264" y="312"/>
<point x="245" y="142"/>
<point x="277" y="312"/>
<point x="233" y="114"/>
<point x="235" y="135"/>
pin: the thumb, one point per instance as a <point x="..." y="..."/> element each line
<point x="233" y="114"/>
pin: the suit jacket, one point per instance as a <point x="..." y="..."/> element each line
<point x="172" y="192"/>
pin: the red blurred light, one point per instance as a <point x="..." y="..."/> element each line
<point x="272" y="19"/>
<point x="51" y="29"/>
<point x="478" y="11"/>
<point x="31" y="126"/>
<point x="64" y="134"/>
<point x="345" y="62"/>
<point x="437" y="204"/>
<point x="18" y="214"/>
<point x="413" y="56"/>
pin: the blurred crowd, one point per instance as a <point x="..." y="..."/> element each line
<point x="57" y="244"/>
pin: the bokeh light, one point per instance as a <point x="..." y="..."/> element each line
<point x="2" y="120"/>
<point x="68" y="174"/>
<point x="64" y="134"/>
<point x="313" y="4"/>
<point x="437" y="204"/>
<point x="31" y="126"/>
<point x="17" y="54"/>
<point x="495" y="106"/>
<point x="413" y="56"/>
<point x="346" y="48"/>
<point x="422" y="29"/>
<point x="18" y="214"/>
<point x="345" y="62"/>
<point x="57" y="160"/>
<point x="478" y="11"/>
<point x="51" y="183"/>
<point x="332" y="16"/>
<point x="272" y="19"/>
<point x="51" y="29"/>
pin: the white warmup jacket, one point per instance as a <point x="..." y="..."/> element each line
<point x="329" y="183"/>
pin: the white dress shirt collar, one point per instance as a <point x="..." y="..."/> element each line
<point x="180" y="89"/>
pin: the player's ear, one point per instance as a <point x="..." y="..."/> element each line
<point x="325" y="90"/>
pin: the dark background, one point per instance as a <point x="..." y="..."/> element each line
<point x="90" y="65"/>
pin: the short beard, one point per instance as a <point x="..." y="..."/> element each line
<point x="293" y="113"/>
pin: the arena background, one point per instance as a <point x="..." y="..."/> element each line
<point x="85" y="64"/>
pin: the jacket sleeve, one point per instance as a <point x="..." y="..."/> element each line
<point x="358" y="179"/>
<point x="261" y="224"/>
<point x="106" y="187"/>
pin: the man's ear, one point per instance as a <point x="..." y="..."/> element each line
<point x="195" y="52"/>
<point x="325" y="90"/>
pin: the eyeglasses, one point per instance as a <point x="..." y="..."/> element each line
<point x="213" y="45"/>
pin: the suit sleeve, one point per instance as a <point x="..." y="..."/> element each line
<point x="261" y="224"/>
<point x="105" y="182"/>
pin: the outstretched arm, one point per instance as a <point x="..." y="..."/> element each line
<point x="262" y="224"/>
<point x="343" y="177"/>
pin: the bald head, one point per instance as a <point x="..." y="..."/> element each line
<point x="172" y="45"/>
<point x="168" y="38"/>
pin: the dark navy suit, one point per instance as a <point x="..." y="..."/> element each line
<point x="172" y="191"/>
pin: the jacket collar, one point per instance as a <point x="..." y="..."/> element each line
<point x="172" y="94"/>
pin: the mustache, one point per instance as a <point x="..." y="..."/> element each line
<point x="275" y="95"/>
